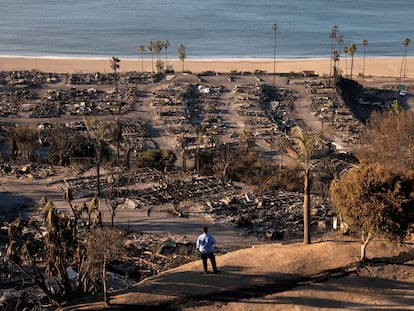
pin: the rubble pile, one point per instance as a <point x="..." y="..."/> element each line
<point x="136" y="136"/>
<point x="28" y="78"/>
<point x="274" y="216"/>
<point x="197" y="190"/>
<point x="11" y="101"/>
<point x="333" y="111"/>
<point x="28" y="170"/>
<point x="268" y="111"/>
<point x="34" y="94"/>
<point x="178" y="106"/>
<point x="82" y="102"/>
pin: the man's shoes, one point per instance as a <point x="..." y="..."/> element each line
<point x="207" y="272"/>
<point x="217" y="272"/>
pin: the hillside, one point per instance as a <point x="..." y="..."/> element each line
<point x="325" y="274"/>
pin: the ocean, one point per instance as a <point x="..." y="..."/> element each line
<point x="209" y="29"/>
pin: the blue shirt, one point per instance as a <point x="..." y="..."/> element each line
<point x="205" y="243"/>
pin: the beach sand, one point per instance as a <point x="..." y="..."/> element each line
<point x="380" y="67"/>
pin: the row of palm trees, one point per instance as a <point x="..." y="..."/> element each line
<point x="349" y="50"/>
<point x="336" y="44"/>
<point x="156" y="47"/>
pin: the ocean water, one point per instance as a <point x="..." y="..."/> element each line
<point x="208" y="28"/>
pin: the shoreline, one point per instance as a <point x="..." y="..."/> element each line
<point x="374" y="66"/>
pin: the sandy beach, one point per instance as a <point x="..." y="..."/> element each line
<point x="380" y="67"/>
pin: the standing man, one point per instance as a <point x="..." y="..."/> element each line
<point x="205" y="245"/>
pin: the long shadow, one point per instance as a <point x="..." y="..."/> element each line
<point x="192" y="288"/>
<point x="13" y="206"/>
<point x="276" y="283"/>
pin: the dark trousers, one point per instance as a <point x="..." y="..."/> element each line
<point x="212" y="260"/>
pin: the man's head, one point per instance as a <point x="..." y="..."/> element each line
<point x="205" y="229"/>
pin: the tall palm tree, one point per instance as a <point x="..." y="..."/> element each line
<point x="351" y="51"/>
<point x="335" y="58"/>
<point x="115" y="66"/>
<point x="181" y="53"/>
<point x="346" y="60"/>
<point x="165" y="45"/>
<point x="339" y="41"/>
<point x="332" y="36"/>
<point x="157" y="49"/>
<point x="306" y="144"/>
<point x="150" y="47"/>
<point x="406" y="43"/>
<point x="364" y="45"/>
<point x="274" y="27"/>
<point x="141" y="50"/>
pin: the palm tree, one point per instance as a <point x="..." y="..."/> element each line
<point x="346" y="60"/>
<point x="150" y="47"/>
<point x="141" y="50"/>
<point x="339" y="41"/>
<point x="406" y="43"/>
<point x="335" y="58"/>
<point x="166" y="44"/>
<point x="364" y="45"/>
<point x="115" y="66"/>
<point x="181" y="53"/>
<point x="306" y="143"/>
<point x="274" y="27"/>
<point x="157" y="49"/>
<point x="351" y="51"/>
<point x="332" y="36"/>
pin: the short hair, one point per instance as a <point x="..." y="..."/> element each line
<point x="205" y="229"/>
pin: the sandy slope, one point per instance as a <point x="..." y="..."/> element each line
<point x="282" y="277"/>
